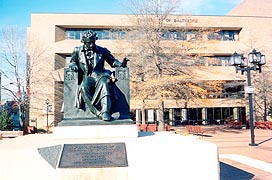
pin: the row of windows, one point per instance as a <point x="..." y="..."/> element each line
<point x="203" y="114"/>
<point x="224" y="95"/>
<point x="223" y="35"/>
<point x="208" y="61"/>
<point x="103" y="34"/>
<point x="201" y="61"/>
<point x="184" y="116"/>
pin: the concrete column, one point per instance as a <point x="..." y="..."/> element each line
<point x="138" y="116"/>
<point x="235" y="114"/>
<point x="171" y="117"/>
<point x="150" y="115"/>
<point x="143" y="116"/>
<point x="204" y="115"/>
<point x="157" y="115"/>
<point x="184" y="114"/>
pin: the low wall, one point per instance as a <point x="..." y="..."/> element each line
<point x="10" y="134"/>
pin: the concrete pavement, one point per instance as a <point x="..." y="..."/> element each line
<point x="238" y="160"/>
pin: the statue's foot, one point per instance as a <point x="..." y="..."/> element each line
<point x="106" y="117"/>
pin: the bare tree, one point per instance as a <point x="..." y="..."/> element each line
<point x="13" y="67"/>
<point x="163" y="52"/>
<point x="263" y="94"/>
<point x="41" y="77"/>
<point x="18" y="70"/>
<point x="148" y="29"/>
<point x="37" y="65"/>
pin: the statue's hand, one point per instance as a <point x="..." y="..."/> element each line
<point x="73" y="67"/>
<point x="124" y="63"/>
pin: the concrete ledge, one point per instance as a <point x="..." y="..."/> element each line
<point x="114" y="173"/>
<point x="264" y="166"/>
<point x="11" y="134"/>
<point x="95" y="131"/>
<point x="164" y="155"/>
<point x="88" y="122"/>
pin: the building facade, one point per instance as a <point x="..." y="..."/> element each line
<point x="52" y="37"/>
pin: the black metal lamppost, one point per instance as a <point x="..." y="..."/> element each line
<point x="254" y="62"/>
<point x="47" y="109"/>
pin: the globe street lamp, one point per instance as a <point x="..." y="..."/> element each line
<point x="255" y="61"/>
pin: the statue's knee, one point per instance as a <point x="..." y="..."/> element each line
<point x="106" y="80"/>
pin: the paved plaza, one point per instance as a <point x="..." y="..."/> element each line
<point x="238" y="160"/>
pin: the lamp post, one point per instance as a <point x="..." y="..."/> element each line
<point x="254" y="62"/>
<point x="47" y="109"/>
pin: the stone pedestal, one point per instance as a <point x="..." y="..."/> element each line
<point x="120" y="173"/>
<point x="95" y="129"/>
<point x="159" y="155"/>
<point x="88" y="160"/>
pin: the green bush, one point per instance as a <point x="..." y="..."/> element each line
<point x="6" y="122"/>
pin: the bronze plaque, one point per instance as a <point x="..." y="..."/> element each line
<point x="93" y="155"/>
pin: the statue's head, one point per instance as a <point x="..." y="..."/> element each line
<point x="89" y="38"/>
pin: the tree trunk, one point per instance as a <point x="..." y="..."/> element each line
<point x="265" y="108"/>
<point x="20" y="116"/>
<point x="161" y="126"/>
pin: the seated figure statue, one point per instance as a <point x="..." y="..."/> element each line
<point x="96" y="89"/>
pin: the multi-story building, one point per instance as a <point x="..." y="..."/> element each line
<point x="52" y="37"/>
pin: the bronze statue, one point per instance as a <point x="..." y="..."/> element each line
<point x="95" y="85"/>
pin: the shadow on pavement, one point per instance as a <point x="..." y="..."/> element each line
<point x="228" y="172"/>
<point x="264" y="141"/>
<point x="143" y="134"/>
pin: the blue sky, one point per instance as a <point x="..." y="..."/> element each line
<point x="17" y="12"/>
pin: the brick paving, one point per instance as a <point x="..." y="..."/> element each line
<point x="238" y="160"/>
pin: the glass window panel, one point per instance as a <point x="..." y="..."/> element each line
<point x="99" y="34"/>
<point x="224" y="35"/>
<point x="78" y="34"/>
<point x="70" y="35"/>
<point x="177" y="114"/>
<point x="105" y="35"/>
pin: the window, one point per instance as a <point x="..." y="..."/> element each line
<point x="233" y="90"/>
<point x="218" y="61"/>
<point x="182" y="35"/>
<point x="103" y="34"/>
<point x="70" y="35"/>
<point x="224" y="35"/>
<point x="175" y="35"/>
